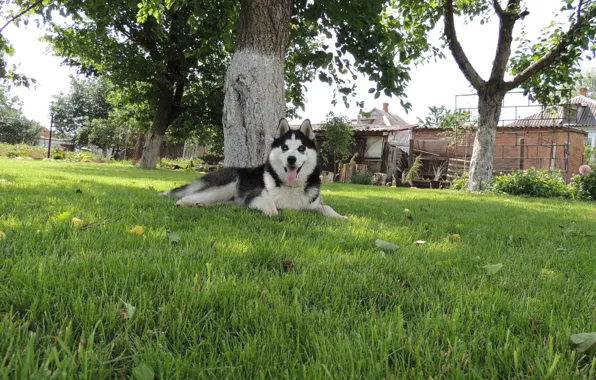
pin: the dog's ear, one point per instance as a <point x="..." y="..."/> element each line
<point x="282" y="128"/>
<point x="307" y="130"/>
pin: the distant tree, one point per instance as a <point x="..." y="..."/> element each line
<point x="454" y="125"/>
<point x="587" y="80"/>
<point x="542" y="66"/>
<point x="85" y="101"/>
<point x="162" y="49"/>
<point x="338" y="139"/>
<point x="15" y="128"/>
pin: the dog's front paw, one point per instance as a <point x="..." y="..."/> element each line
<point x="270" y="208"/>
<point x="180" y="203"/>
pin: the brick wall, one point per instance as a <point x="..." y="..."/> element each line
<point x="541" y="148"/>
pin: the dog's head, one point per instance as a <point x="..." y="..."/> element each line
<point x="293" y="154"/>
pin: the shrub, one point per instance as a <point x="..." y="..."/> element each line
<point x="362" y="178"/>
<point x="583" y="186"/>
<point x="460" y="182"/>
<point x="23" y="150"/>
<point x="58" y="155"/>
<point x="414" y="171"/>
<point x="212" y="159"/>
<point x="81" y="156"/>
<point x="532" y="182"/>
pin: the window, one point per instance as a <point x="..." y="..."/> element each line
<point x="591" y="139"/>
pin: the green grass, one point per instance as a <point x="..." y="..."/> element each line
<point x="219" y="304"/>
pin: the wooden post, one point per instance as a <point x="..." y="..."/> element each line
<point x="411" y="154"/>
<point x="522" y="150"/>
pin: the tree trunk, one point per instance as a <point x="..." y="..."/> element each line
<point x="254" y="87"/>
<point x="154" y="138"/>
<point x="481" y="165"/>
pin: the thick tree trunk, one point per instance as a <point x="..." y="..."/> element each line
<point x="481" y="165"/>
<point x="254" y="88"/>
<point x="154" y="138"/>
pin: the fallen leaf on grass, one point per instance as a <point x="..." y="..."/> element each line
<point x="583" y="341"/>
<point x="2" y="235"/>
<point x="385" y="245"/>
<point x="143" y="372"/>
<point x="534" y="323"/>
<point x="288" y="265"/>
<point x="420" y="242"/>
<point x="65" y="215"/>
<point x="136" y="230"/>
<point x="406" y="210"/>
<point x="128" y="311"/>
<point x="492" y="269"/>
<point x="547" y="272"/>
<point x="447" y="263"/>
<point x="174" y="237"/>
<point x="76" y="222"/>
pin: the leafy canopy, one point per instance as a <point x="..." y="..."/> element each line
<point x="338" y="138"/>
<point x="15" y="128"/>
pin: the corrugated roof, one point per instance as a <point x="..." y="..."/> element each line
<point x="557" y="116"/>
<point x="379" y="121"/>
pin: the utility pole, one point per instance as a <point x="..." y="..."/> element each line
<point x="51" y="125"/>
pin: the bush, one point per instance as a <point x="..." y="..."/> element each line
<point x="23" y="150"/>
<point x="58" y="155"/>
<point x="362" y="178"/>
<point x="583" y="186"/>
<point x="532" y="182"/>
<point x="460" y="182"/>
<point x="212" y="159"/>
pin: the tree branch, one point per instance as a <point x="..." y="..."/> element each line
<point x="507" y="22"/>
<point x="498" y="9"/>
<point x="549" y="58"/>
<point x="456" y="49"/>
<point x="177" y="102"/>
<point x="20" y="14"/>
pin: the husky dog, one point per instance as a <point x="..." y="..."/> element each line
<point x="288" y="180"/>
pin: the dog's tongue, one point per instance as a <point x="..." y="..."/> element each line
<point x="291" y="176"/>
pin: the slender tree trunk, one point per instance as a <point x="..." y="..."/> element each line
<point x="481" y="164"/>
<point x="154" y="138"/>
<point x="254" y="87"/>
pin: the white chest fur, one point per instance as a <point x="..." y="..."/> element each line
<point x="287" y="197"/>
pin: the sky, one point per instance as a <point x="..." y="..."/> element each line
<point x="433" y="84"/>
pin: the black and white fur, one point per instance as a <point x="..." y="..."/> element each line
<point x="290" y="179"/>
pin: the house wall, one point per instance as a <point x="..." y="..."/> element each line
<point x="515" y="149"/>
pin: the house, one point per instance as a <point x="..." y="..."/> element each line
<point x="578" y="113"/>
<point x="44" y="140"/>
<point x="374" y="135"/>
<point x="552" y="139"/>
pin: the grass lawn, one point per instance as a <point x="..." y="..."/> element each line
<point x="220" y="304"/>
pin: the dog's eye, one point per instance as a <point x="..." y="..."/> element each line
<point x="284" y="147"/>
<point x="301" y="149"/>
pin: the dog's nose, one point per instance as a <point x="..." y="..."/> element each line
<point x="291" y="160"/>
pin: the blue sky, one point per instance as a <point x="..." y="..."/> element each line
<point x="435" y="83"/>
